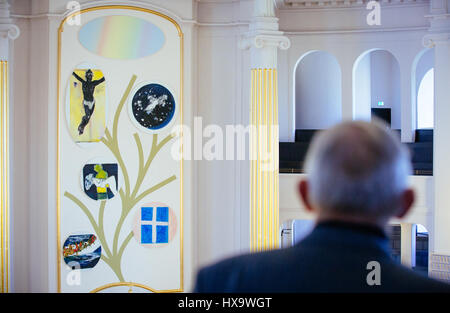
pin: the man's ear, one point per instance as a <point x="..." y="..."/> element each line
<point x="406" y="202"/>
<point x="303" y="189"/>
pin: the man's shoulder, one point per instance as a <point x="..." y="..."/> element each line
<point x="231" y="273"/>
<point x="401" y="278"/>
<point x="250" y="260"/>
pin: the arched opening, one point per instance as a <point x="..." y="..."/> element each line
<point x="425" y="101"/>
<point x="395" y="236"/>
<point x="318" y="91"/>
<point x="376" y="87"/>
<point x="422" y="252"/>
<point x="423" y="89"/>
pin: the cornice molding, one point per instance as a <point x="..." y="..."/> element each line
<point x="340" y="4"/>
<point x="355" y="31"/>
<point x="439" y="31"/>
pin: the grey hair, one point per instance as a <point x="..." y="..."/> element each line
<point x="358" y="168"/>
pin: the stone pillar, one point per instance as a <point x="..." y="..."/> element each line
<point x="8" y="32"/>
<point x="263" y="40"/>
<point x="408" y="244"/>
<point x="439" y="38"/>
<point x="408" y="112"/>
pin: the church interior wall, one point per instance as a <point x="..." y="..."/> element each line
<point x="217" y="75"/>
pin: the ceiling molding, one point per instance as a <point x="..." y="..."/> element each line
<point x="356" y="31"/>
<point x="326" y="4"/>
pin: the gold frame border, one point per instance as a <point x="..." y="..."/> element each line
<point x="58" y="181"/>
<point x="128" y="284"/>
<point x="4" y="183"/>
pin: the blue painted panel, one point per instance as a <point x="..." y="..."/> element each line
<point x="162" y="214"/>
<point x="146" y="234"/>
<point x="162" y="234"/>
<point x="147" y="213"/>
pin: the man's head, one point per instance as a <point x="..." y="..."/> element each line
<point x="89" y="75"/>
<point x="357" y="172"/>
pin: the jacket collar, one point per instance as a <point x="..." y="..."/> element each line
<point x="357" y="227"/>
<point x="350" y="235"/>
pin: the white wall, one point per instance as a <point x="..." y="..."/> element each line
<point x="318" y="91"/>
<point x="217" y="79"/>
<point x="362" y="88"/>
<point x="223" y="186"/>
<point x="345" y="34"/>
<point x="34" y="190"/>
<point x="217" y="87"/>
<point x="385" y="84"/>
<point x="424" y="64"/>
<point x="20" y="157"/>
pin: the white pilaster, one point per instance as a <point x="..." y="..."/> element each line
<point x="8" y="32"/>
<point x="408" y="244"/>
<point x="348" y="111"/>
<point x="439" y="38"/>
<point x="264" y="39"/>
<point x="408" y="112"/>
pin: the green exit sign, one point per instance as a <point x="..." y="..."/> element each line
<point x="380" y="103"/>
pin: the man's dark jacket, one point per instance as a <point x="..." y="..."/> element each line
<point x="333" y="258"/>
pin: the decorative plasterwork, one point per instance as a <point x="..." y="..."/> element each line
<point x="298" y="4"/>
<point x="7" y="29"/>
<point x="439" y="18"/>
<point x="430" y="40"/>
<point x="263" y="40"/>
<point x="264" y="33"/>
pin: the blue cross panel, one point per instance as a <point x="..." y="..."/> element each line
<point x="146" y="234"/>
<point x="162" y="234"/>
<point x="162" y="214"/>
<point x="147" y="214"/>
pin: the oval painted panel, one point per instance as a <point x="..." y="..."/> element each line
<point x="86" y="104"/>
<point x="121" y="37"/>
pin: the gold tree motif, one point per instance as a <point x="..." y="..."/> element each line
<point x="129" y="196"/>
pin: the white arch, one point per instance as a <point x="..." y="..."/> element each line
<point x="362" y="109"/>
<point x="425" y="101"/>
<point x="359" y="112"/>
<point x="297" y="66"/>
<point x="417" y="80"/>
<point x="294" y="72"/>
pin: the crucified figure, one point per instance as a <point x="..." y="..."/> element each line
<point x="88" y="87"/>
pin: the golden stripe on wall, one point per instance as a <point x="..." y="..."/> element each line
<point x="264" y="209"/>
<point x="4" y="172"/>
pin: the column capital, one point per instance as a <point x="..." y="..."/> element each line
<point x="7" y="28"/>
<point x="430" y="40"/>
<point x="262" y="40"/>
<point x="263" y="32"/>
<point x="439" y="17"/>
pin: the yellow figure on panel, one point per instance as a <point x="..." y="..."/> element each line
<point x="87" y="105"/>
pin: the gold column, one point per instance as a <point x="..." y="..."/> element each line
<point x="4" y="173"/>
<point x="264" y="208"/>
